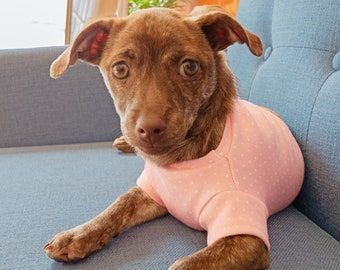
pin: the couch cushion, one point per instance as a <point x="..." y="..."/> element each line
<point x="48" y="189"/>
<point x="298" y="76"/>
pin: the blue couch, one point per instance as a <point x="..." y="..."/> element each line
<point x="58" y="169"/>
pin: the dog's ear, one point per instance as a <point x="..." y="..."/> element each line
<point x="222" y="30"/>
<point x="88" y="46"/>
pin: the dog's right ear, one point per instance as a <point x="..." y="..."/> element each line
<point x="88" y="46"/>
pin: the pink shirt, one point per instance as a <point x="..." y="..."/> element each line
<point x="256" y="171"/>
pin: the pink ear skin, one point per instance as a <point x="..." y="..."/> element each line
<point x="97" y="43"/>
<point x="89" y="46"/>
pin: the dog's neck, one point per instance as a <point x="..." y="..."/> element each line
<point x="207" y="130"/>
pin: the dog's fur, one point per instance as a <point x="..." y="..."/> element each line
<point x="173" y="92"/>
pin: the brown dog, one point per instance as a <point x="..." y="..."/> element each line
<point x="174" y="94"/>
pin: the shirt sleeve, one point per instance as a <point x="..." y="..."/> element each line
<point x="145" y="183"/>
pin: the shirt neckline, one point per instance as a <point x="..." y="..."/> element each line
<point x="214" y="155"/>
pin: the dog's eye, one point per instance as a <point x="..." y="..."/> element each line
<point x="120" y="70"/>
<point x="188" y="68"/>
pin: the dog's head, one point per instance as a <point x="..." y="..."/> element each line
<point x="160" y="67"/>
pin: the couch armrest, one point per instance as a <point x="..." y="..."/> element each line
<point x="38" y="110"/>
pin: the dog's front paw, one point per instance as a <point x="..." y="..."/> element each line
<point x="121" y="145"/>
<point x="77" y="243"/>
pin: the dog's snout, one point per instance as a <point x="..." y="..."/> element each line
<point x="150" y="129"/>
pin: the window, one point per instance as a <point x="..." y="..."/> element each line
<point x="33" y="23"/>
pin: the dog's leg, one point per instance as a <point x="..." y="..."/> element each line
<point x="240" y="252"/>
<point x="128" y="210"/>
<point x="121" y="145"/>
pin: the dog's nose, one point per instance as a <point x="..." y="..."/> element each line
<point x="150" y="129"/>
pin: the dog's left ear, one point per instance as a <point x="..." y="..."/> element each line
<point x="222" y="30"/>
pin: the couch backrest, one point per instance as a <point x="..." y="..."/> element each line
<point x="299" y="77"/>
<point x="38" y="110"/>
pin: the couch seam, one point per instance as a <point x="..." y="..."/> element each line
<point x="313" y="106"/>
<point x="308" y="48"/>
<point x="259" y="66"/>
<point x="263" y="60"/>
